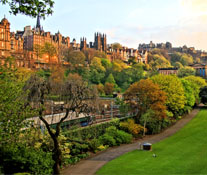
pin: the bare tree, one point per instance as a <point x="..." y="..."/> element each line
<point x="78" y="97"/>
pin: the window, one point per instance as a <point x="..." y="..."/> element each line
<point x="2" y="44"/>
<point x="2" y="53"/>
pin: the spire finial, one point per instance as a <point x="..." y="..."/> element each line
<point x="38" y="21"/>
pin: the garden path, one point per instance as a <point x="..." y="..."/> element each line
<point x="92" y="164"/>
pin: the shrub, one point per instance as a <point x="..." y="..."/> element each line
<point x="113" y="137"/>
<point x="118" y="135"/>
<point x="124" y="137"/>
<point x="78" y="151"/>
<point x="131" y="127"/>
<point x="18" y="158"/>
<point x="106" y="139"/>
<point x="77" y="148"/>
<point x="94" y="145"/>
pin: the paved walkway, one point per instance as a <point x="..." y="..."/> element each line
<point x="91" y="165"/>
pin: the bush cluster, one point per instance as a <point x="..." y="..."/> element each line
<point x="18" y="158"/>
<point x="131" y="127"/>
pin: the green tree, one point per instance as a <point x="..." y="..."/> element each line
<point x="110" y="79"/>
<point x="146" y="117"/>
<point x="186" y="59"/>
<point x="175" y="57"/>
<point x="106" y="63"/>
<point x="196" y="83"/>
<point x="14" y="110"/>
<point x="161" y="52"/>
<point x="159" y="61"/>
<point x="186" y="71"/>
<point x="178" y="65"/>
<point x="97" y="71"/>
<point x="96" y="64"/>
<point x="189" y="94"/>
<point x="173" y="88"/>
<point x="129" y="75"/>
<point x="30" y="8"/>
<point x="96" y="76"/>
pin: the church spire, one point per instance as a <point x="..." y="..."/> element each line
<point x="38" y="22"/>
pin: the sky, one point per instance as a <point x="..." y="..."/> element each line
<point x="129" y="22"/>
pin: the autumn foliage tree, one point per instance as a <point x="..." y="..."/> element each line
<point x="108" y="88"/>
<point x="144" y="95"/>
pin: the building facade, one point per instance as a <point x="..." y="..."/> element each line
<point x="168" y="71"/>
<point x="5" y="41"/>
<point x="100" y="42"/>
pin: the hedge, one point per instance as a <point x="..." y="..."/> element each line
<point x="93" y="131"/>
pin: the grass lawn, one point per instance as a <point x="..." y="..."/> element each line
<point x="183" y="153"/>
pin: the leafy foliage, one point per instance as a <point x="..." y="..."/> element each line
<point x="113" y="137"/>
<point x="196" y="83"/>
<point x="186" y="71"/>
<point x="145" y="95"/>
<point x="30" y="8"/>
<point x="173" y="88"/>
<point x="189" y="94"/>
<point x="13" y="107"/>
<point x="108" y="88"/>
<point x="131" y="127"/>
<point x="184" y="59"/>
<point x="159" y="61"/>
<point x="18" y="158"/>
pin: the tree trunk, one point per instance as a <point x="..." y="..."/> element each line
<point x="56" y="156"/>
<point x="144" y="127"/>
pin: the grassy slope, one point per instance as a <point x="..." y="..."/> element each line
<point x="183" y="153"/>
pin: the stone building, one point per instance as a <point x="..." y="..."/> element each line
<point x="201" y="69"/>
<point x="11" y="44"/>
<point x="37" y="37"/>
<point x="125" y="53"/>
<point x="168" y="71"/>
<point x="75" y="45"/>
<point x="5" y="40"/>
<point x="83" y="44"/>
<point x="100" y="42"/>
